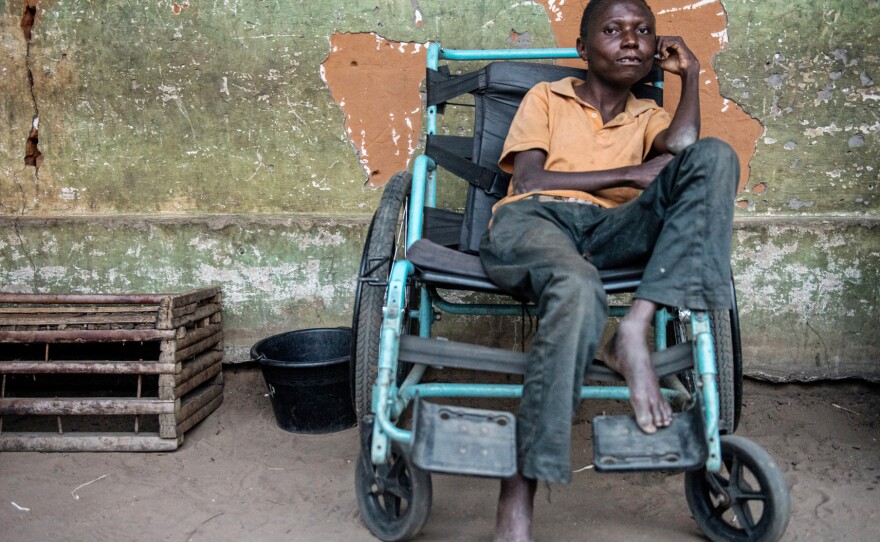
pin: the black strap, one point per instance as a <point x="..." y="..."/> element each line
<point x="442" y="86"/>
<point x="454" y="152"/>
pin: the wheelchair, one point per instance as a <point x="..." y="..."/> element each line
<point x="416" y="254"/>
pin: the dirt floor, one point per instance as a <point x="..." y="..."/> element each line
<point x="239" y="477"/>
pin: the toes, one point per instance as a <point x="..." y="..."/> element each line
<point x="662" y="414"/>
<point x="645" y="422"/>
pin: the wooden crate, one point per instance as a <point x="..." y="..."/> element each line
<point x="108" y="372"/>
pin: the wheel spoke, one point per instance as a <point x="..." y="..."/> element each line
<point x="392" y="507"/>
<point x="752" y="496"/>
<point x="744" y="516"/>
<point x="736" y="473"/>
<point x="402" y="491"/>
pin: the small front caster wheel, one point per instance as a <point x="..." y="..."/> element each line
<point x="394" y="498"/>
<point x="747" y="500"/>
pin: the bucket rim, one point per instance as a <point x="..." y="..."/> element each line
<point x="263" y="360"/>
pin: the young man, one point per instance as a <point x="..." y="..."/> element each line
<point x="580" y="152"/>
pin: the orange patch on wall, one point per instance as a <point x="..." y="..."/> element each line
<point x="376" y="83"/>
<point x="703" y="25"/>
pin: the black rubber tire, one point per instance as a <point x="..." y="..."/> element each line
<point x="729" y="366"/>
<point x="394" y="498"/>
<point x="381" y="249"/>
<point x="736" y="345"/>
<point x="728" y="389"/>
<point x="741" y="458"/>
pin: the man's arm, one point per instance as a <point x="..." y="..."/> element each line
<point x="529" y="175"/>
<point x="674" y="57"/>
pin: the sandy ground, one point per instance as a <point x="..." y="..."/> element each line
<point x="239" y="477"/>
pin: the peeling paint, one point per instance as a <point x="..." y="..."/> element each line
<point x="377" y="89"/>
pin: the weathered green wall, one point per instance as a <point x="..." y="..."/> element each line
<point x="198" y="143"/>
<point x="808" y="254"/>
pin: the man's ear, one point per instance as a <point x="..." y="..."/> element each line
<point x="581" y="49"/>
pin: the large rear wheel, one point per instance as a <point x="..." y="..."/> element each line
<point x="728" y="362"/>
<point x="385" y="243"/>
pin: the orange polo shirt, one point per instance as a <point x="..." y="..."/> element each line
<point x="553" y="119"/>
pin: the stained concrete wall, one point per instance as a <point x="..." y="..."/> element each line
<point x="158" y="146"/>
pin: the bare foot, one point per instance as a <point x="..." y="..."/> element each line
<point x="513" y="522"/>
<point x="627" y="353"/>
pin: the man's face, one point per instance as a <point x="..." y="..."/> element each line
<point x="620" y="44"/>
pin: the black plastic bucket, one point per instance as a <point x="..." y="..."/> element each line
<point x="308" y="377"/>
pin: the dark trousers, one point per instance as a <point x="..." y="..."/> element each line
<point x="680" y="228"/>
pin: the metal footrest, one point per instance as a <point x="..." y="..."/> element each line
<point x="458" y="440"/>
<point x="620" y="446"/>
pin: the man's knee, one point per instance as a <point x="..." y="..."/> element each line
<point x="719" y="157"/>
<point x="576" y="284"/>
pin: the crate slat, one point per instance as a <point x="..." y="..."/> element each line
<point x="96" y="309"/>
<point x="196" y="335"/>
<point x="86" y="335"/>
<point x="86" y="367"/>
<point x="199" y="415"/>
<point x="194" y="297"/>
<point x="82" y="299"/>
<point x="75" y="320"/>
<point x="200" y="346"/>
<point x="188" y="381"/>
<point x="82" y="406"/>
<point x="199" y="314"/>
<point x="87" y="442"/>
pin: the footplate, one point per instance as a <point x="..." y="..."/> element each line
<point x="458" y="440"/>
<point x="620" y="446"/>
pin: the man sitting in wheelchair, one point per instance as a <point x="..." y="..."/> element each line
<point x="602" y="179"/>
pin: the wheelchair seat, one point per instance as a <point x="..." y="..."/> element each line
<point x="452" y="269"/>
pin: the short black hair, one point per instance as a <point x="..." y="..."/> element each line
<point x="591" y="9"/>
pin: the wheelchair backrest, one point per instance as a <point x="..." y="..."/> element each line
<point x="498" y="88"/>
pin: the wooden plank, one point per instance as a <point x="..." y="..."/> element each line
<point x="166" y="387"/>
<point x="197" y="400"/>
<point x="82" y="299"/>
<point x="195" y="296"/>
<point x="168" y="426"/>
<point x="73" y="320"/>
<point x="196" y="378"/>
<point x="163" y="317"/>
<point x="199" y="415"/>
<point x="77" y="310"/>
<point x="178" y="312"/>
<point x="86" y="335"/>
<point x="193" y="336"/>
<point x="200" y="313"/>
<point x="84" y="406"/>
<point x="197" y="364"/>
<point x="167" y="349"/>
<point x="86" y="442"/>
<point x="85" y="367"/>
<point x="198" y="347"/>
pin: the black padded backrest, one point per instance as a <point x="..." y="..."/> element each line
<point x="499" y="91"/>
<point x="506" y="83"/>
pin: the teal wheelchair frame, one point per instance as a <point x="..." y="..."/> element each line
<point x="394" y="494"/>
